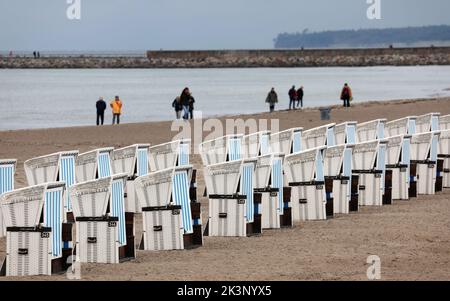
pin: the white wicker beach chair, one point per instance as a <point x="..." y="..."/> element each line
<point x="318" y="137"/>
<point x="223" y="149"/>
<point x="403" y="126"/>
<point x="256" y="144"/>
<point x="428" y="122"/>
<point x="371" y="130"/>
<point x="345" y="133"/>
<point x="287" y="142"/>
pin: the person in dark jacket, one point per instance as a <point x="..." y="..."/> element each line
<point x="300" y="94"/>
<point x="185" y="100"/>
<point x="191" y="107"/>
<point x="176" y="104"/>
<point x="101" y="107"/>
<point x="292" y="97"/>
<point x="346" y="95"/>
<point x="272" y="99"/>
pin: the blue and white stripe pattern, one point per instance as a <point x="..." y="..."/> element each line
<point x="67" y="175"/>
<point x="380" y="129"/>
<point x="183" y="157"/>
<point x="180" y="190"/>
<point x="142" y="162"/>
<point x="434" y="123"/>
<point x="53" y="217"/>
<point x="406" y="157"/>
<point x="277" y="181"/>
<point x="351" y="134"/>
<point x="247" y="190"/>
<point x="234" y="149"/>
<point x="7" y="177"/>
<point x="434" y="148"/>
<point x="381" y="162"/>
<point x="320" y="170"/>
<point x="296" y="142"/>
<point x="265" y="144"/>
<point x="330" y="136"/>
<point x="117" y="208"/>
<point x="103" y="165"/>
<point x="411" y="126"/>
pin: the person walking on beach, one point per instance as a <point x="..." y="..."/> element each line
<point x="116" y="106"/>
<point x="292" y="97"/>
<point x="300" y="94"/>
<point x="272" y="99"/>
<point x="176" y="104"/>
<point x="185" y="100"/>
<point x="101" y="107"/>
<point x="191" y="107"/>
<point x="346" y="95"/>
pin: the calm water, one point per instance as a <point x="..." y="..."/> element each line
<point x="59" y="98"/>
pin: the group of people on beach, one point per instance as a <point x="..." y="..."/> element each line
<point x="116" y="108"/>
<point x="184" y="105"/>
<point x="296" y="97"/>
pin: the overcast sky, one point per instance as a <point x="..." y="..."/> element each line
<point x="194" y="24"/>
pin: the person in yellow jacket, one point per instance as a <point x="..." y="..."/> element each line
<point x="116" y="106"/>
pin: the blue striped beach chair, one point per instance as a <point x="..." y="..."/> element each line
<point x="98" y="234"/>
<point x="345" y="133"/>
<point x="220" y="150"/>
<point x="7" y="171"/>
<point x="305" y="175"/>
<point x="54" y="215"/>
<point x="371" y="130"/>
<point x="134" y="161"/>
<point x="227" y="209"/>
<point x="287" y="142"/>
<point x="318" y="137"/>
<point x="95" y="164"/>
<point x="28" y="243"/>
<point x="168" y="155"/>
<point x="256" y="144"/>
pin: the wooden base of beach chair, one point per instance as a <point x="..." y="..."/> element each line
<point x="28" y="252"/>
<point x="399" y="181"/>
<point x="308" y="201"/>
<point x="426" y="177"/>
<point x="227" y="216"/>
<point x="439" y="175"/>
<point x="286" y="217"/>
<point x="387" y="195"/>
<point x="353" y="206"/>
<point x="255" y="228"/>
<point x="70" y="218"/>
<point x="195" y="239"/>
<point x="269" y="207"/>
<point x="370" y="193"/>
<point x="128" y="251"/>
<point x="329" y="196"/>
<point x="445" y="170"/>
<point x="60" y="265"/>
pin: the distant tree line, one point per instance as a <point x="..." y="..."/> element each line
<point x="363" y="37"/>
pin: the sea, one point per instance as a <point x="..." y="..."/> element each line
<point x="48" y="98"/>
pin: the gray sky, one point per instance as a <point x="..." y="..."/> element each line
<point x="194" y="24"/>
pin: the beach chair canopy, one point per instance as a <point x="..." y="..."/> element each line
<point x="318" y="137"/>
<point x="444" y="142"/>
<point x="90" y="199"/>
<point x="305" y="166"/>
<point x="23" y="207"/>
<point x="155" y="188"/>
<point x="263" y="171"/>
<point x="428" y="122"/>
<point x="364" y="155"/>
<point x="394" y="146"/>
<point x="421" y="146"/>
<point x="370" y="130"/>
<point x="222" y="149"/>
<point x="401" y="126"/>
<point x="132" y="160"/>
<point x="7" y="170"/>
<point x="444" y="122"/>
<point x="169" y="155"/>
<point x="58" y="167"/>
<point x="223" y="178"/>
<point x="333" y="159"/>
<point x="345" y="133"/>
<point x="95" y="164"/>
<point x="287" y="142"/>
<point x="256" y="144"/>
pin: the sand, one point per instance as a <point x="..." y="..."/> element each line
<point x="412" y="238"/>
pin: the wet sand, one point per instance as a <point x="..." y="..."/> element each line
<point x="412" y="238"/>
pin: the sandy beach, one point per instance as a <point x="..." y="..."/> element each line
<point x="412" y="238"/>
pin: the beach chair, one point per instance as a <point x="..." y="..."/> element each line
<point x="175" y="154"/>
<point x="162" y="219"/>
<point x="287" y="142"/>
<point x="371" y="130"/>
<point x="426" y="123"/>
<point x="444" y="122"/>
<point x="7" y="171"/>
<point x="134" y="161"/>
<point x="256" y="144"/>
<point x="97" y="164"/>
<point x="220" y="150"/>
<point x="318" y="137"/>
<point x="444" y="155"/>
<point x="369" y="163"/>
<point x="227" y="208"/>
<point x="57" y="167"/>
<point x="345" y="133"/>
<point x="403" y="126"/>
<point x="305" y="174"/>
<point x="398" y="162"/>
<point x="337" y="161"/>
<point x="97" y="231"/>
<point x="424" y="151"/>
<point x="28" y="243"/>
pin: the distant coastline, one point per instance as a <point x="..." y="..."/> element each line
<point x="417" y="56"/>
